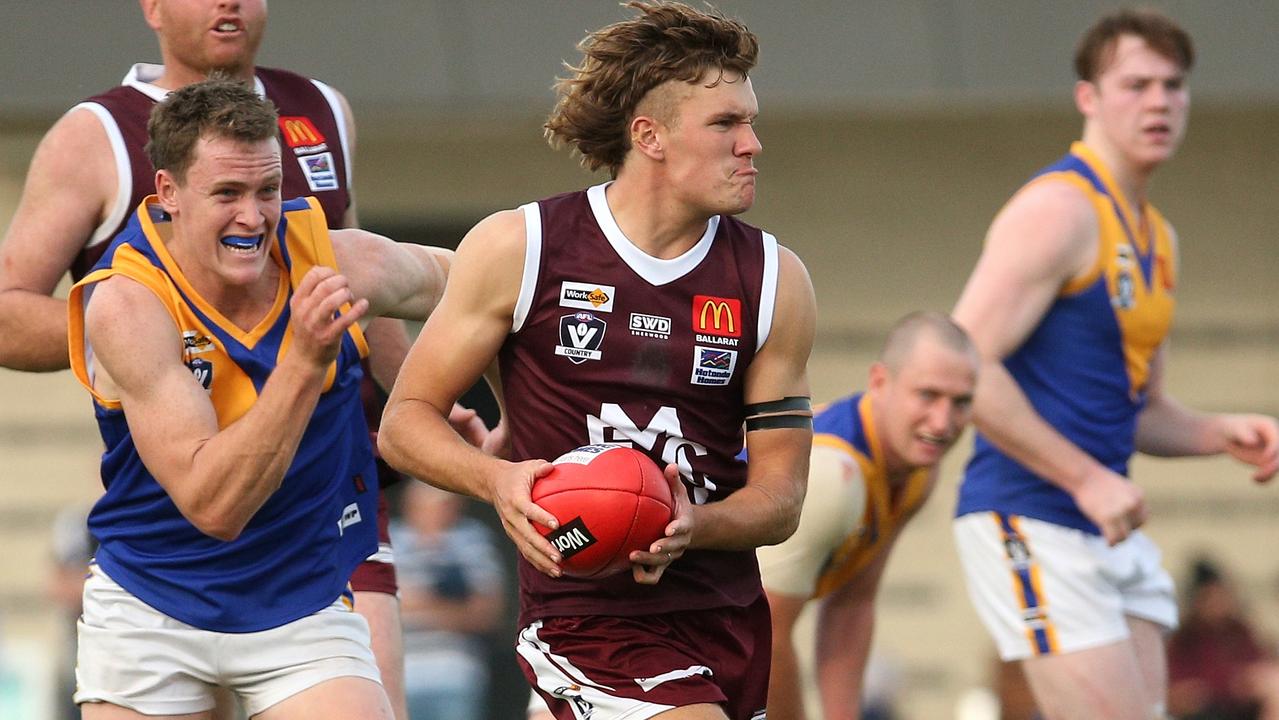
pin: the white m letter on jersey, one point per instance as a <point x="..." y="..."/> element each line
<point x="613" y="425"/>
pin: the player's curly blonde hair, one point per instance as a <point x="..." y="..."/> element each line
<point x="624" y="61"/>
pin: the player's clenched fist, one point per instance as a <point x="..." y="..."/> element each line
<point x="318" y="325"/>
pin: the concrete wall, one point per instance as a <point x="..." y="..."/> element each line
<point x="815" y="53"/>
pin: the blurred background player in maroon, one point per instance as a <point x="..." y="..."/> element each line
<point x="638" y="311"/>
<point x="1219" y="667"/>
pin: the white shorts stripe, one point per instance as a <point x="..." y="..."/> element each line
<point x="558" y="678"/>
<point x="1041" y="588"/>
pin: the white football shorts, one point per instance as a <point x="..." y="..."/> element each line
<point x="1045" y="589"/>
<point x="136" y="657"/>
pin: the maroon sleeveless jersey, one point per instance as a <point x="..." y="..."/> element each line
<point x="611" y="345"/>
<point x="312" y="145"/>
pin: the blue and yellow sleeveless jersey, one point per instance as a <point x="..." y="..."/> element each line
<point x="297" y="553"/>
<point x="1086" y="366"/>
<point x="848" y="425"/>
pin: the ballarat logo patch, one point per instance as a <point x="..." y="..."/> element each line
<point x="587" y="296"/>
<point x="712" y="366"/>
<point x="717" y="320"/>
<point x="580" y="337"/>
<point x="301" y="134"/>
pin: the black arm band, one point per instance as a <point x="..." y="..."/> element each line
<point x="786" y="404"/>
<point x="773" y="422"/>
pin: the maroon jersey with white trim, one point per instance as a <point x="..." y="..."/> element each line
<point x="313" y="151"/>
<point x="612" y="345"/>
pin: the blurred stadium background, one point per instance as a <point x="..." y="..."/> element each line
<point x="893" y="131"/>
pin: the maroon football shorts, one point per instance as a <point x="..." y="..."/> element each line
<point x="637" y="667"/>
<point x="377" y="573"/>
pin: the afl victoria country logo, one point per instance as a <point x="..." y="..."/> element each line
<point x="580" y="337"/>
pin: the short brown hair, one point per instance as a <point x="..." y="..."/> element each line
<point x="907" y="330"/>
<point x="1164" y="36"/>
<point x="218" y="107"/>
<point x="624" y="61"/>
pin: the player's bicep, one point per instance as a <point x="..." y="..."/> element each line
<point x="779" y="431"/>
<point x="462" y="336"/>
<point x="400" y="280"/>
<point x="780" y="368"/>
<point x="69" y="184"/>
<point x="137" y="355"/>
<point x="1044" y="237"/>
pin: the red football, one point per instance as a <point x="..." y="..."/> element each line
<point x="610" y="500"/>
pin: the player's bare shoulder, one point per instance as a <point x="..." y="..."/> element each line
<point x="124" y="321"/>
<point x="78" y="150"/>
<point x="796" y="302"/>
<point x="1051" y="223"/>
<point x="490" y="263"/>
<point x="72" y="181"/>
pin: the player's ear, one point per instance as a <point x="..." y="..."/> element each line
<point x="151" y="13"/>
<point x="166" y="189"/>
<point x="1085" y="97"/>
<point x="646" y="136"/>
<point x="879" y="376"/>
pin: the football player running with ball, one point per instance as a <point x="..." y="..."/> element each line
<point x="638" y="311"/>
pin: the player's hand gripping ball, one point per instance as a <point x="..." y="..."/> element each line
<point x="610" y="500"/>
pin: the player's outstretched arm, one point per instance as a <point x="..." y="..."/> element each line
<point x="68" y="187"/>
<point x="846" y="625"/>
<point x="388" y="338"/>
<point x="400" y="280"/>
<point x="1167" y="428"/>
<point x="834" y="506"/>
<point x="1044" y="237"/>
<point x="218" y="478"/>
<point x="766" y="511"/>
<point x="458" y="343"/>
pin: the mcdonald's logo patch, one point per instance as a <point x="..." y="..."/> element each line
<point x="717" y="316"/>
<point x="299" y="131"/>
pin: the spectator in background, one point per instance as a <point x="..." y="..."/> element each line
<point x="450" y="595"/>
<point x="1219" y="667"/>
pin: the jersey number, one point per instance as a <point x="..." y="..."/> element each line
<point x="663" y="433"/>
